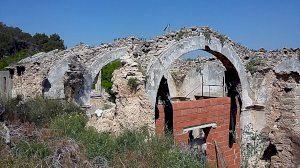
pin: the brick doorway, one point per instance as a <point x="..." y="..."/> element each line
<point x="211" y="116"/>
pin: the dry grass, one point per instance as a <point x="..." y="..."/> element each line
<point x="65" y="141"/>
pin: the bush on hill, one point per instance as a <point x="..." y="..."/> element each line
<point x="16" y="44"/>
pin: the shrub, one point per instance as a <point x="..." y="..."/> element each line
<point x="222" y="39"/>
<point x="69" y="124"/>
<point x="252" y="146"/>
<point x="207" y="35"/>
<point x="252" y="65"/>
<point x="31" y="149"/>
<point x="73" y="126"/>
<point x="130" y="140"/>
<point x="141" y="149"/>
<point x="19" y="161"/>
<point x="179" y="35"/>
<point x="97" y="144"/>
<point x="133" y="83"/>
<point x="10" y="107"/>
<point x="131" y="148"/>
<point x="14" y="58"/>
<point x="107" y="73"/>
<point x="39" y="110"/>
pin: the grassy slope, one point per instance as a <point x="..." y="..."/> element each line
<point x="50" y="129"/>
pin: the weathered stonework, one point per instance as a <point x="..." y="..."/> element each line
<point x="132" y="109"/>
<point x="269" y="94"/>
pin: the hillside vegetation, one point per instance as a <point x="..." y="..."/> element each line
<point x="16" y="44"/>
<point x="51" y="133"/>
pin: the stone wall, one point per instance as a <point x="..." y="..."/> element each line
<point x="276" y="112"/>
<point x="132" y="109"/>
<point x="267" y="81"/>
<point x="54" y="65"/>
<point x="283" y="121"/>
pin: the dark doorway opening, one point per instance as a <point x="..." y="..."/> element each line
<point x="20" y="70"/>
<point x="269" y="152"/>
<point x="197" y="141"/>
<point x="163" y="97"/>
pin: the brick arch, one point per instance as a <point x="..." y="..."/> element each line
<point x="224" y="52"/>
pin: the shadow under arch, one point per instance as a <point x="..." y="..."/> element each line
<point x="163" y="98"/>
<point x="236" y="73"/>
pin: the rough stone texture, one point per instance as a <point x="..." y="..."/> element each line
<point x="278" y="91"/>
<point x="288" y="66"/>
<point x="54" y="65"/>
<point x="270" y="95"/>
<point x="147" y="53"/>
<point x="283" y="121"/>
<point x="132" y="110"/>
<point x="74" y="83"/>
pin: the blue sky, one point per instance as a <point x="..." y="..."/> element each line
<point x="254" y="23"/>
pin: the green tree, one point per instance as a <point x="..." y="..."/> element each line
<point x="12" y="40"/>
<point x="55" y="42"/>
<point x="46" y="44"/>
<point x="16" y="44"/>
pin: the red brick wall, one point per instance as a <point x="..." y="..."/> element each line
<point x="197" y="112"/>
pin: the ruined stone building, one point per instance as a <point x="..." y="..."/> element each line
<point x="242" y="100"/>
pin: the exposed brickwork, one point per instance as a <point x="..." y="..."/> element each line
<point x="197" y="112"/>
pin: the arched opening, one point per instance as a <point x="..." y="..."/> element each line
<point x="221" y="50"/>
<point x="200" y="75"/>
<point x="102" y="96"/>
<point x="60" y="74"/>
<point x="96" y="64"/>
<point x="220" y="115"/>
<point x="102" y="83"/>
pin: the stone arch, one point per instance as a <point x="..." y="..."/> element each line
<point x="95" y="66"/>
<point x="223" y="51"/>
<point x="57" y="73"/>
<point x="101" y="60"/>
